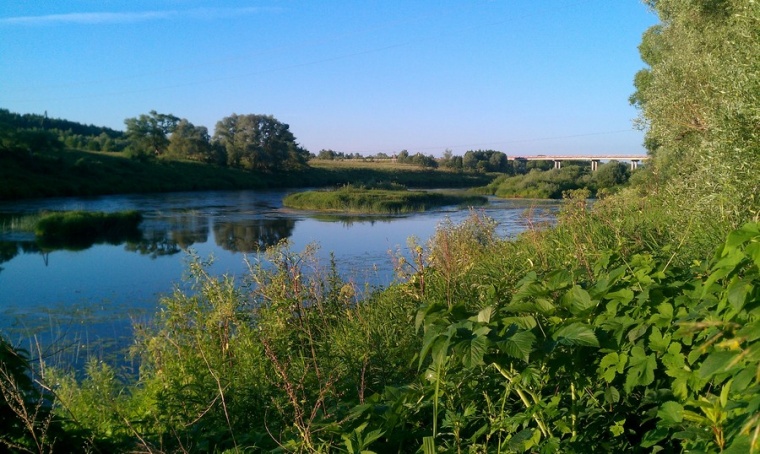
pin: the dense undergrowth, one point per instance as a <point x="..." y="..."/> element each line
<point x="554" y="183"/>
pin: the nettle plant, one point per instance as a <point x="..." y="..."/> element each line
<point x="640" y="355"/>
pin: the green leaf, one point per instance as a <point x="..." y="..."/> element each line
<point x="474" y="348"/>
<point x="577" y="300"/>
<point x="750" y="332"/>
<point x="611" y="395"/>
<point x="612" y="364"/>
<point x="658" y="342"/>
<point x="436" y="342"/>
<point x="742" y="235"/>
<point x="371" y="437"/>
<point x="484" y="316"/>
<point x="423" y="313"/>
<point x="622" y="296"/>
<point x="557" y="280"/>
<point x="518" y="441"/>
<point x="618" y="428"/>
<point x="544" y="306"/>
<point x="727" y="264"/>
<point x="518" y="345"/>
<point x="576" y="334"/>
<point x="526" y="321"/>
<point x="715" y="363"/>
<point x="637" y="332"/>
<point x="738" y="290"/>
<point x="753" y="251"/>
<point x="671" y="412"/>
<point x="742" y="380"/>
<point x="654" y="436"/>
<point x="641" y="369"/>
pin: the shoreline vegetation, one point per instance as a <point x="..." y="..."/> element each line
<point x="87" y="173"/>
<point x="631" y="325"/>
<point x="43" y="157"/>
<point x="81" y="229"/>
<point x="351" y="199"/>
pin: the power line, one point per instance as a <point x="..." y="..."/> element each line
<point x="279" y="49"/>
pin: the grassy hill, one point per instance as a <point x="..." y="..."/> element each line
<point x="84" y="173"/>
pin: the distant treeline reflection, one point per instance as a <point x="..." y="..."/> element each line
<point x="169" y="235"/>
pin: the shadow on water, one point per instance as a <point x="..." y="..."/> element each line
<point x="253" y="235"/>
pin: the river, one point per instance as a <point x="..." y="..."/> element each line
<point x="88" y="296"/>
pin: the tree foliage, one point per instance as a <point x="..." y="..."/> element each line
<point x="150" y="133"/>
<point x="188" y="141"/>
<point x="259" y="142"/>
<point x="487" y="161"/>
<point x="700" y="103"/>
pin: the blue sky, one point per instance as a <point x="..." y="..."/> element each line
<point x="520" y="76"/>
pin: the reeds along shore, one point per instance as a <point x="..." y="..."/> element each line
<point x="377" y="201"/>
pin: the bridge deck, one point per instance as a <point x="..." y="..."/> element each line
<point x="581" y="158"/>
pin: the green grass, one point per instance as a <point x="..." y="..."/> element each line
<point x="14" y="223"/>
<point x="84" y="228"/>
<point x="85" y="173"/>
<point x="376" y="201"/>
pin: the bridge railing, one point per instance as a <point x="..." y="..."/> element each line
<point x="595" y="160"/>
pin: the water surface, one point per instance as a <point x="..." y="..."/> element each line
<point x="95" y="293"/>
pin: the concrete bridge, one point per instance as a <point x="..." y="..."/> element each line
<point x="633" y="159"/>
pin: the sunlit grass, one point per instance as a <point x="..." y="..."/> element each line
<point x="70" y="227"/>
<point x="18" y="223"/>
<point x="377" y="201"/>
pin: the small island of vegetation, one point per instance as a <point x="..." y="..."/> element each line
<point x="395" y="200"/>
<point x="87" y="227"/>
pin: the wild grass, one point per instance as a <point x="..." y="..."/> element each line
<point x="14" y="223"/>
<point x="85" y="173"/>
<point x="87" y="227"/>
<point x="382" y="201"/>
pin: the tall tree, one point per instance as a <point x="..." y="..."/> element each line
<point x="188" y="141"/>
<point x="151" y="132"/>
<point x="259" y="142"/>
<point x="699" y="99"/>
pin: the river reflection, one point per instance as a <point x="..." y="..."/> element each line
<point x="97" y="292"/>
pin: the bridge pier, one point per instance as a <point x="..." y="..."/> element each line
<point x="594" y="165"/>
<point x="634" y="164"/>
<point x="557" y="164"/>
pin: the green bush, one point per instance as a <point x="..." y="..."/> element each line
<point x="640" y="354"/>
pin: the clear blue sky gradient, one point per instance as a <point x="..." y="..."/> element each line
<point x="520" y="76"/>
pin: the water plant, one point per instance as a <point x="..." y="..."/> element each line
<point x="383" y="201"/>
<point x="84" y="228"/>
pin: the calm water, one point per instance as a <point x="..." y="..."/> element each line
<point x="93" y="294"/>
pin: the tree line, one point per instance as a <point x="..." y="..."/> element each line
<point x="252" y="141"/>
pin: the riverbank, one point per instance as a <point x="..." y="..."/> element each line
<point x="86" y="173"/>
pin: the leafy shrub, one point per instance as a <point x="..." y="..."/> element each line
<point x="639" y="355"/>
